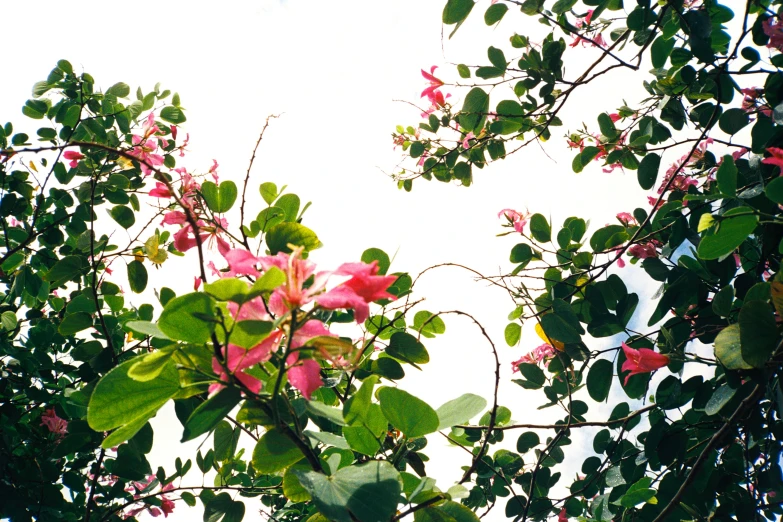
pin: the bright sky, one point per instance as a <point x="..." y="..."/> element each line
<point x="334" y="69"/>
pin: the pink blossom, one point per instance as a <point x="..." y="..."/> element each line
<point x="539" y="354"/>
<point x="213" y="170"/>
<point x="620" y="262"/>
<point x="626" y="219"/>
<point x="140" y="489"/>
<point x="304" y="375"/>
<point x="466" y="140"/>
<point x="145" y="145"/>
<point x="160" y="190"/>
<point x="614" y="117"/>
<point x="775" y="158"/>
<point x="610" y="168"/>
<point x="642" y="360"/>
<point x="775" y="33"/>
<point x="241" y="262"/>
<point x="175" y="217"/>
<point x="562" y="516"/>
<point x="643" y="251"/>
<point x="173" y="132"/>
<point x="196" y="283"/>
<point x="516" y="218"/>
<point x="54" y="423"/>
<point x="423" y="157"/>
<point x="74" y="156"/>
<point x="364" y="287"/>
<point x="292" y="293"/>
<point x="434" y="82"/>
<point x="13" y="222"/>
<point x="737" y="154"/>
<point x="185" y="239"/>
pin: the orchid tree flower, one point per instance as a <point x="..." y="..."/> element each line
<point x="642" y="360"/>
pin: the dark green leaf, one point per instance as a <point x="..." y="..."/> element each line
<point x="182" y="318"/>
<point x="210" y="413"/>
<point x="410" y="415"/>
<point x="137" y="276"/>
<point x="648" y="171"/>
<point x="173" y="114"/>
<point x="599" y="380"/>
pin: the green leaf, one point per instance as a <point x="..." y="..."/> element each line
<point x="602" y="238"/>
<point x="463" y="70"/>
<point x="173" y="114"/>
<point x="292" y="488"/>
<point x="513" y="333"/>
<point x="274" y="452"/>
<point x="366" y="492"/>
<point x="774" y="190"/>
<point x="410" y="415"/>
<point x="64" y="270"/>
<point x="271" y="279"/>
<point x="146" y="328"/>
<point x="290" y="204"/>
<point x="727" y="176"/>
<point x="8" y="320"/>
<point x="719" y="399"/>
<point x="137" y="276"/>
<point x="456" y="11"/>
<point x="356" y="407"/>
<point x="497" y="58"/>
<point x="405" y="347"/>
<point x="210" y="412"/>
<point x="268" y="192"/>
<point x="648" y="171"/>
<point x="599" y="380"/>
<point x="638" y="493"/>
<point x="495" y="13"/>
<point x="222" y="508"/>
<point x="562" y="6"/>
<point x="120" y="90"/>
<point x="733" y="120"/>
<point x="228" y="289"/>
<point x="220" y="198"/>
<point x="182" y="318"/>
<point x="378" y="255"/>
<point x="534" y="376"/>
<point x="119" y="400"/>
<point x="123" y="216"/>
<point x="527" y="441"/>
<point x="723" y="300"/>
<point x="732" y="232"/>
<point x="557" y="328"/>
<point x="475" y="109"/>
<point x="428" y="324"/>
<point x="660" y="51"/>
<point x="280" y="236"/>
<point x="540" y="228"/>
<point x="606" y="125"/>
<point x="758" y="332"/>
<point x="460" y="410"/>
<point x="148" y="366"/>
<point x="73" y="323"/>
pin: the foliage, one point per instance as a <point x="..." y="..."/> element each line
<point x="251" y="352"/>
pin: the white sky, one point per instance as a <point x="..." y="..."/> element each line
<point x="334" y="69"/>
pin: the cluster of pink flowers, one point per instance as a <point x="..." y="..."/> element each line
<point x="644" y="250"/>
<point x="750" y="102"/>
<point x="597" y="40"/>
<point x="775" y="33"/>
<point x="185" y="237"/>
<point x="432" y="92"/>
<point x="139" y="489"/>
<point x="539" y="354"/>
<point x="515" y="218"/>
<point x="146" y="145"/>
<point x="74" y="157"/>
<point x="362" y="287"/>
<point x="54" y="423"/>
<point x="681" y="182"/>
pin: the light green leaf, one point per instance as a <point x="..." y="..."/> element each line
<point x="183" y="318"/>
<point x="460" y="410"/>
<point x="407" y="413"/>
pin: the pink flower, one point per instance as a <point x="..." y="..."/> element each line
<point x="185" y="239"/>
<point x="776" y="157"/>
<point x="145" y="145"/>
<point x="362" y="288"/>
<point x="539" y="354"/>
<point x="643" y="251"/>
<point x="74" y="156"/>
<point x="173" y="132"/>
<point x="614" y="117"/>
<point x="516" y="218"/>
<point x="292" y="293"/>
<point x="160" y="191"/>
<point x="140" y="489"/>
<point x="54" y="423"/>
<point x="434" y="82"/>
<point x="775" y="33"/>
<point x="620" y="262"/>
<point x="304" y="375"/>
<point x="581" y="22"/>
<point x="213" y="170"/>
<point x="642" y="360"/>
<point x="626" y="219"/>
<point x="196" y="283"/>
<point x="562" y="516"/>
<point x="466" y="140"/>
<point x="241" y="262"/>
